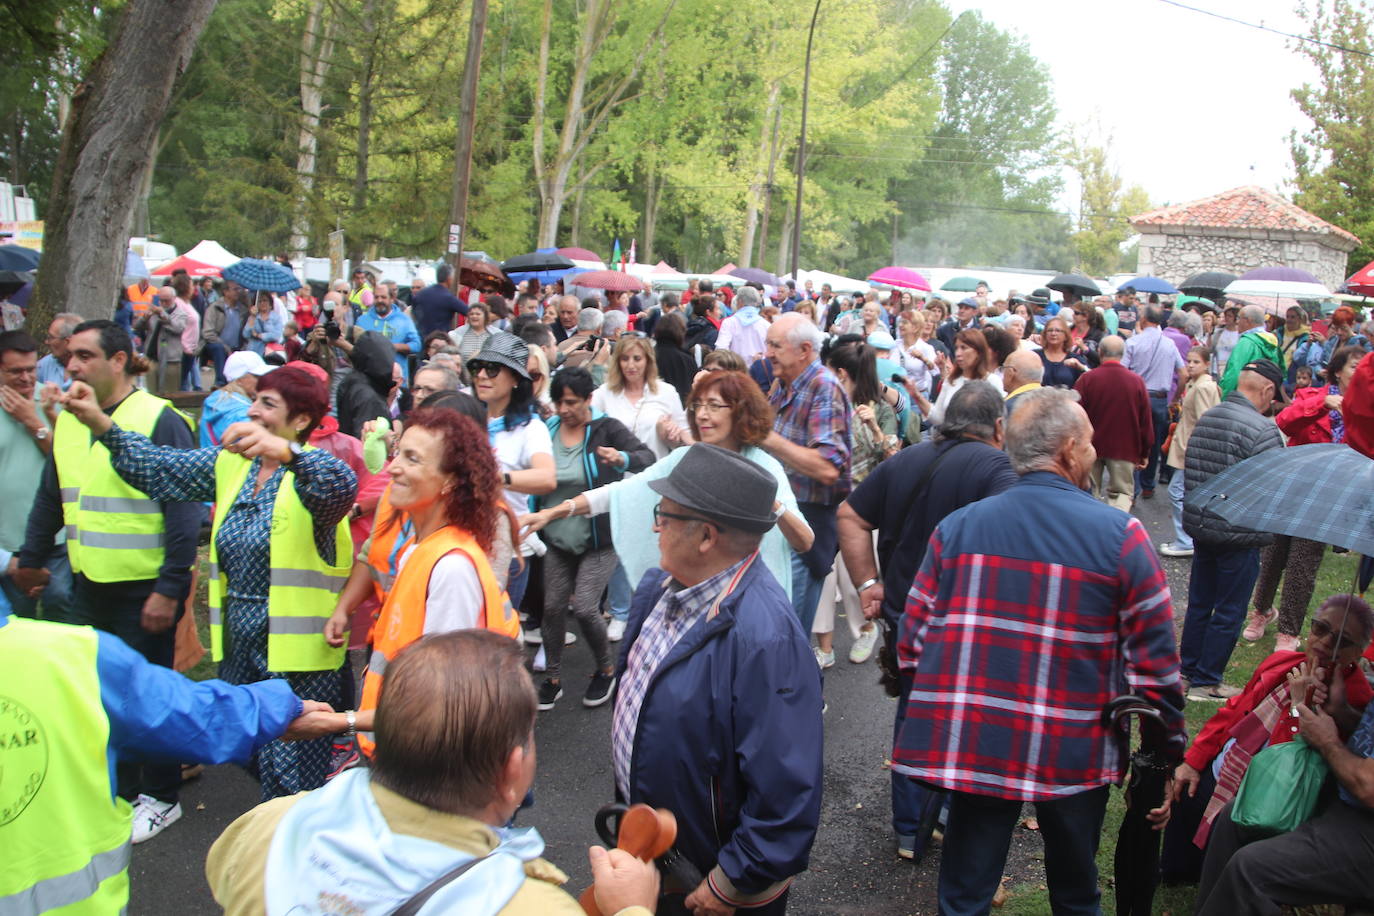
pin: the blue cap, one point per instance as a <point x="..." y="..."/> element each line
<point x="969" y="301"/>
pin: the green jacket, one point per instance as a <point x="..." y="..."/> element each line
<point x="1253" y="344"/>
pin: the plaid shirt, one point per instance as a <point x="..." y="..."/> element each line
<point x="676" y="612"/>
<point x="813" y="412"/>
<point x="1021" y="627"/>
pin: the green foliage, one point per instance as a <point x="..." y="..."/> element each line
<point x="1104" y="211"/>
<point x="1334" y="158"/>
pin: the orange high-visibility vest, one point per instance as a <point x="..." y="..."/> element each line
<point x="140" y="299"/>
<point x="402" y="617"/>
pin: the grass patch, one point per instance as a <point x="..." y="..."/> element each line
<point x="1030" y="898"/>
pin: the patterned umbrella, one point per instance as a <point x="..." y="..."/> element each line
<point x="1288" y="491"/>
<point x="609" y="280"/>
<point x="257" y="274"/>
<point x="481" y="272"/>
<point x="901" y="277"/>
<point x="579" y="254"/>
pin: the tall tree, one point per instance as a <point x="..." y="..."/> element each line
<point x="107" y="144"/>
<point x="1105" y="208"/>
<point x="1334" y="158"/>
<point x="317" y="49"/>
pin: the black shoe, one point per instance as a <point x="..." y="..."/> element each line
<point x="599" y="690"/>
<point x="550" y="692"/>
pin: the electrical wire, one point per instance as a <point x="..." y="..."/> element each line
<point x="1265" y="28"/>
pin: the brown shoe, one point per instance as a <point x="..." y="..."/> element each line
<point x="190" y="771"/>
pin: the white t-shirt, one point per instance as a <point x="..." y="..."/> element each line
<point x="515" y="450"/>
<point x="642" y="417"/>
<point x="913" y="361"/>
<point x="455" y="598"/>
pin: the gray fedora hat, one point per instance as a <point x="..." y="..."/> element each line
<point x="722" y="486"/>
<point x="506" y="350"/>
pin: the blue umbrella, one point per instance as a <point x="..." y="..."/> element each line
<point x="257" y="274"/>
<point x="134" y="268"/>
<point x="546" y="264"/>
<point x="1150" y="285"/>
<point x="18" y="258"/>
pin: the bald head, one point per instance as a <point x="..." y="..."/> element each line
<point x="1111" y="348"/>
<point x="1028" y="366"/>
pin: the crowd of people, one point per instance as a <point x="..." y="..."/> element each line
<point x="401" y="490"/>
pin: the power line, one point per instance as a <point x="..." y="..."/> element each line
<point x="1265" y="28"/>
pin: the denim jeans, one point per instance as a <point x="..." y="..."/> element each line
<point x="56" y="597"/>
<point x="1159" y="414"/>
<point x="806" y="592"/>
<point x="1181" y="538"/>
<point x="190" y="372"/>
<point x="979" y="834"/>
<point x="217" y="354"/>
<point x="619" y="592"/>
<point x="517" y="580"/>
<point x="908" y="795"/>
<point x="1218" y="594"/>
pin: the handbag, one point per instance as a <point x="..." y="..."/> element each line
<point x="1280" y="789"/>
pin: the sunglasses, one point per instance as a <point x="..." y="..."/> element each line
<point x="485" y="368"/>
<point x="1320" y="629"/>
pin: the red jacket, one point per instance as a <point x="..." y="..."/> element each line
<point x="1307" y="420"/>
<point x="1270" y="674"/>
<point x="1119" y="408"/>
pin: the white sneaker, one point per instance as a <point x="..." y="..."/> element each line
<point x="615" y="630"/>
<point x="1170" y="549"/>
<point x="569" y="637"/>
<point x="540" y="662"/>
<point x="862" y="649"/>
<point x="532" y="637"/>
<point x="824" y="659"/>
<point x="151" y="817"/>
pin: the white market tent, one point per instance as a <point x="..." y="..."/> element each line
<point x="840" y="285"/>
<point x="212" y="253"/>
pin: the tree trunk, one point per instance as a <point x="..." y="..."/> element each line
<point x="317" y="47"/>
<point x="773" y="150"/>
<point x="785" y="242"/>
<point x="107" y="146"/>
<point x="365" y="79"/>
<point x="759" y="186"/>
<point x="653" y="188"/>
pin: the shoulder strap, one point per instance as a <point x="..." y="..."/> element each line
<point x="417" y="902"/>
<point x="924" y="482"/>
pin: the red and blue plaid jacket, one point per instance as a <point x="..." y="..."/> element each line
<point x="1032" y="609"/>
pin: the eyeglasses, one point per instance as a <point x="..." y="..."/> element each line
<point x="708" y="406"/>
<point x="659" y="515"/>
<point x="1320" y="629"/>
<point x="485" y="368"/>
<point x="21" y="372"/>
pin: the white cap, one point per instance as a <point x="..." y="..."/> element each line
<point x="242" y="363"/>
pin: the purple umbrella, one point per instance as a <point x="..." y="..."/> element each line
<point x="1283" y="274"/>
<point x="20" y="297"/>
<point x="756" y="275"/>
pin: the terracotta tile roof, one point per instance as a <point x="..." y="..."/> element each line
<point x="1248" y="207"/>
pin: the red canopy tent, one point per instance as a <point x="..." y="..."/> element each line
<point x="192" y="267"/>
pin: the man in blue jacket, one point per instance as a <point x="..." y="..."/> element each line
<point x="717" y="680"/>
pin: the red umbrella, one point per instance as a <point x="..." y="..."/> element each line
<point x="903" y="277"/>
<point x="579" y="254"/>
<point x="191" y="266"/>
<point x="1361" y="283"/>
<point x="609" y="280"/>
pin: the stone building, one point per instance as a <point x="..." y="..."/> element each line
<point x="1239" y="230"/>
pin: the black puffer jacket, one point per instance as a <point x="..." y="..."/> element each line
<point x="363" y="392"/>
<point x="1225" y="435"/>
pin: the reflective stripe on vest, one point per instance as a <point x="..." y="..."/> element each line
<point x="402" y="617"/>
<point x="302" y="587"/>
<point x="65" y="840"/>
<point x="73" y="887"/>
<point x="115" y="533"/>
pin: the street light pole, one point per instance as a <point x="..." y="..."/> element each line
<point x="801" y="144"/>
<point x="462" y="146"/>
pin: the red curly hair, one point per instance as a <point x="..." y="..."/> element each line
<point x="475" y="504"/>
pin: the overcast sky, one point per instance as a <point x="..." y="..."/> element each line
<point x="1194" y="105"/>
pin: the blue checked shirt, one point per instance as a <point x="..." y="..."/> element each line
<point x="677" y="611"/>
<point x="813" y="412"/>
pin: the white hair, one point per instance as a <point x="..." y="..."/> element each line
<point x="1043" y="421"/>
<point x="615" y="322"/>
<point x="801" y="332"/>
<point x="590" y="320"/>
<point x="1253" y="314"/>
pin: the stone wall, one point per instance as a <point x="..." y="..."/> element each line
<point x="1174" y="253"/>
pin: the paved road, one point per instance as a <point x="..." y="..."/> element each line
<point x="853" y="865"/>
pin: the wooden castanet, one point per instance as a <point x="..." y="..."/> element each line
<point x="645" y="834"/>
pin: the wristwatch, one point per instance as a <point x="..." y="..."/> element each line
<point x="41" y="433"/>
<point x="866" y="586"/>
<point x="296" y="451"/>
<point x="351" y="716"/>
<point x="505" y="477"/>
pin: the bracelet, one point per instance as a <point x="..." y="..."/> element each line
<point x="352" y="717"/>
<point x="572" y="508"/>
<point x="867" y="585"/>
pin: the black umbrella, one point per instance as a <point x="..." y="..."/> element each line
<point x="18" y="258"/>
<point x="1136" y="865"/>
<point x="1075" y="283"/>
<point x="1209" y="283"/>
<point x="537" y="261"/>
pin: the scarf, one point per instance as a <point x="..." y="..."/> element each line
<point x="1251" y="735"/>
<point x="1337" y="421"/>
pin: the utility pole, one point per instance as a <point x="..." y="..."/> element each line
<point x="801" y="144"/>
<point x="462" y="146"/>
